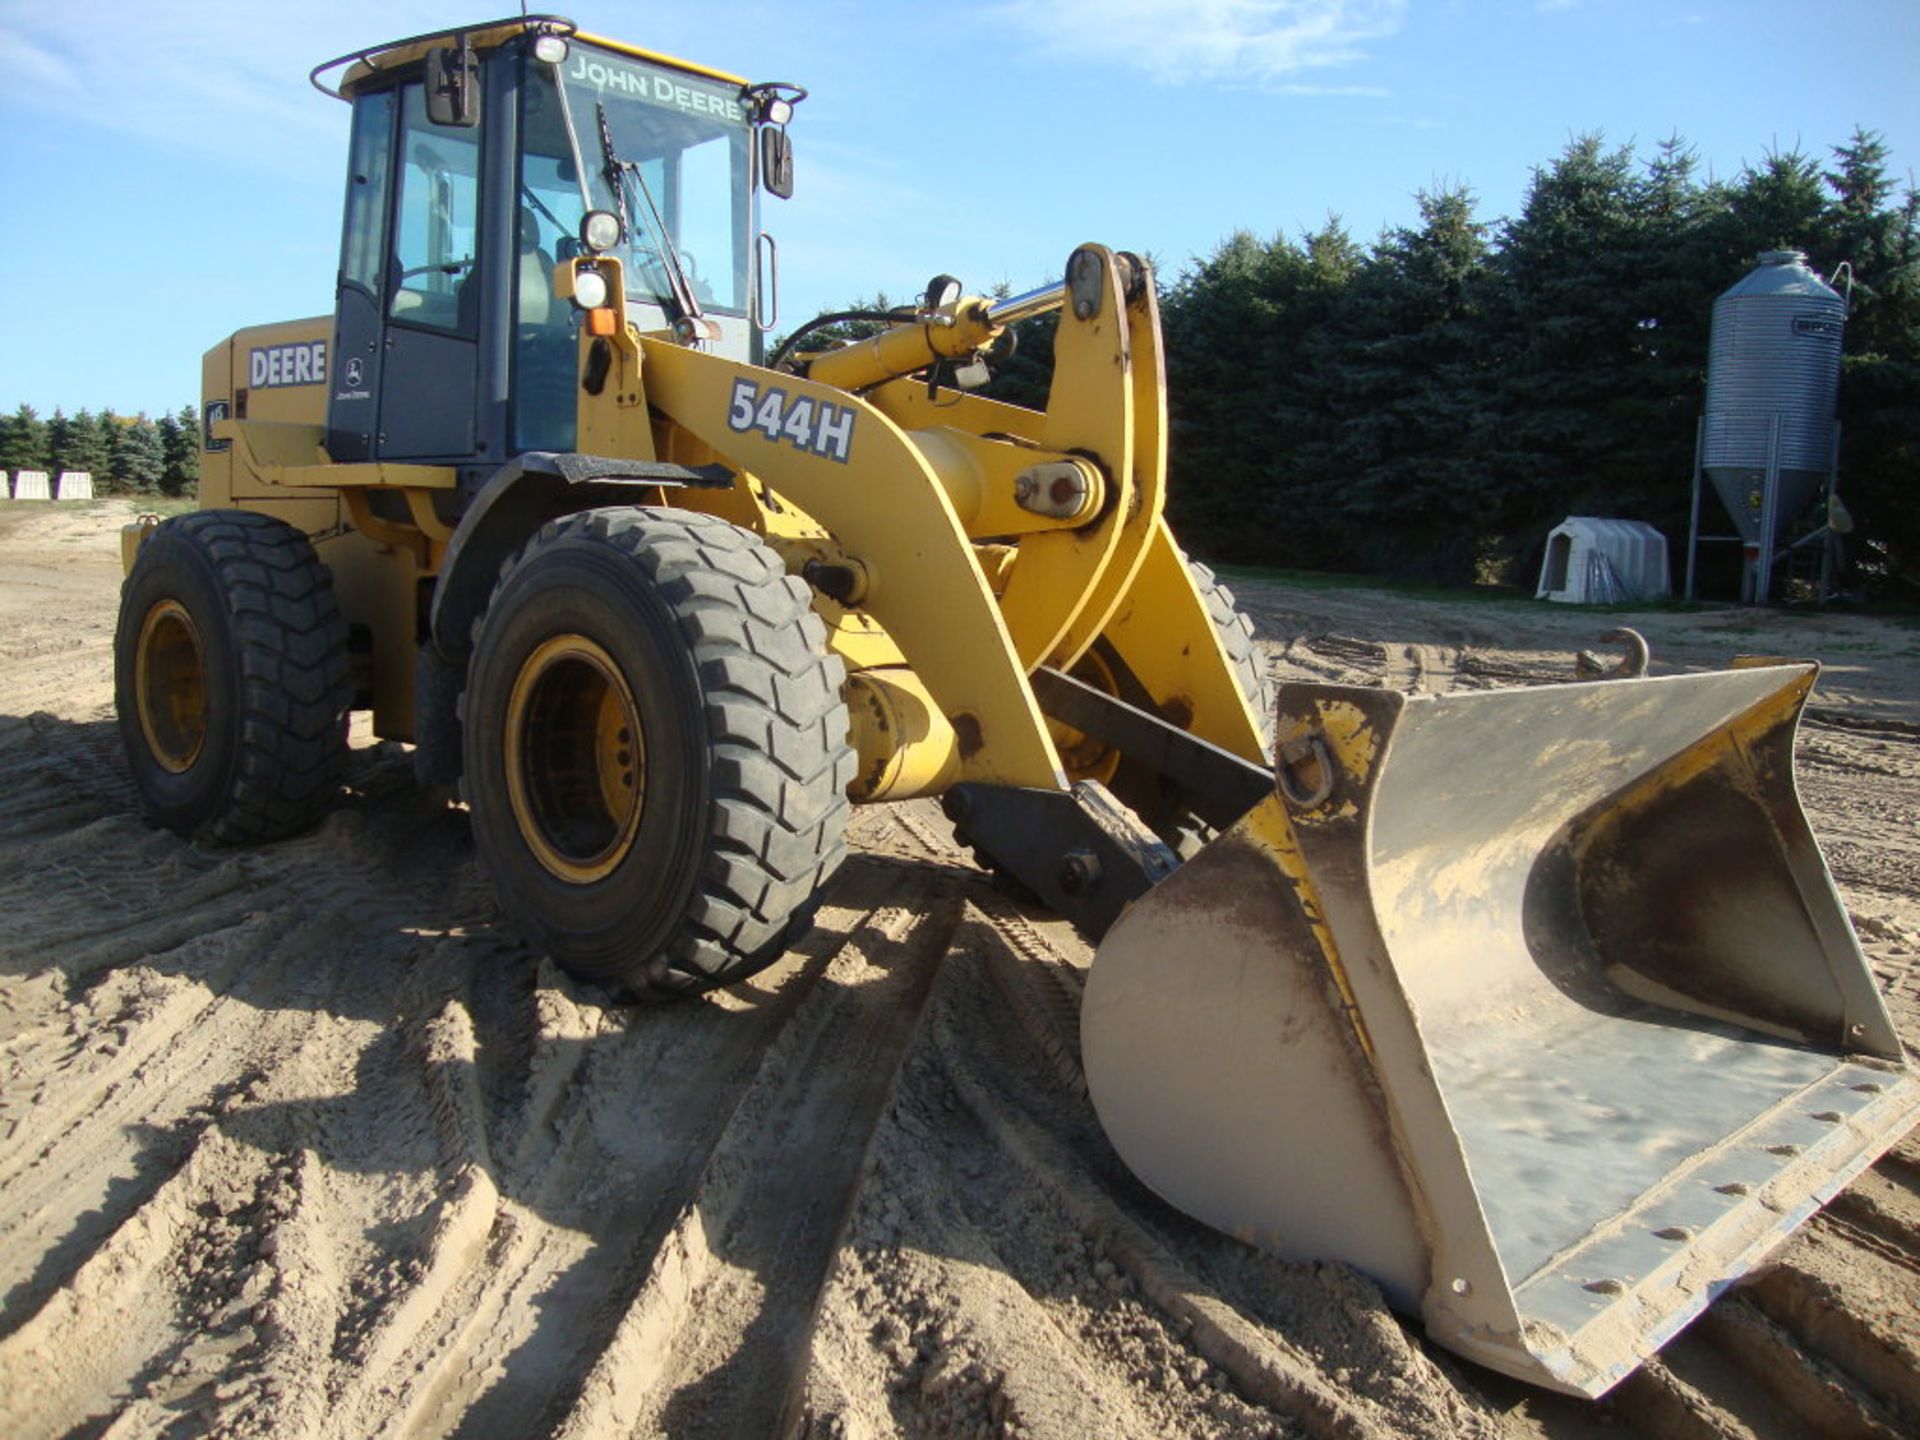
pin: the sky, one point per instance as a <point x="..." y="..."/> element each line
<point x="168" y="176"/>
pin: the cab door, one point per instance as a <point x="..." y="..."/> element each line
<point x="353" y="369"/>
<point x="429" y="371"/>
<point x="407" y="308"/>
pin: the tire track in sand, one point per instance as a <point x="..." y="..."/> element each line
<point x="573" y="1197"/>
<point x="717" y="1341"/>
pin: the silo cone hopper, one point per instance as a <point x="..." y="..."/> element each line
<point x="1538" y="1006"/>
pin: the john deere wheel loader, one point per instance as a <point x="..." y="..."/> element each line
<point x="1538" y="1006"/>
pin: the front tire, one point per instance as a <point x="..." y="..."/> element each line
<point x="1159" y="803"/>
<point x="656" y="750"/>
<point x="230" y="678"/>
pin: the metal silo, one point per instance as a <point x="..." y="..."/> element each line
<point x="1773" y="375"/>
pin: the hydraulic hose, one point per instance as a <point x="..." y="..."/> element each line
<point x="838" y="317"/>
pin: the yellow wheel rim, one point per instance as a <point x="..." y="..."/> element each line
<point x="1084" y="757"/>
<point x="170" y="686"/>
<point x="576" y="759"/>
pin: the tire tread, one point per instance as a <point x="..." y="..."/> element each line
<point x="291" y="661"/>
<point x="777" y="735"/>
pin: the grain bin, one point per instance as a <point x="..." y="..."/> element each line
<point x="1773" y="374"/>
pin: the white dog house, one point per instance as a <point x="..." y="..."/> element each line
<point x="1591" y="561"/>
<point x="74" y="485"/>
<point x="31" y="485"/>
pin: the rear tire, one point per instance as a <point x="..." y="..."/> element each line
<point x="230" y="678"/>
<point x="656" y="750"/>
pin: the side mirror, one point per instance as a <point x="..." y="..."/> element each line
<point x="776" y="162"/>
<point x="453" y="86"/>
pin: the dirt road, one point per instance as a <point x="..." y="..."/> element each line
<point x="295" y="1141"/>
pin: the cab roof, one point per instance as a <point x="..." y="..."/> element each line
<point x="379" y="60"/>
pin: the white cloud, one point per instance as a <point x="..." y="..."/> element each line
<point x="1180" y="41"/>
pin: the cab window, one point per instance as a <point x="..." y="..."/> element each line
<point x="547" y="220"/>
<point x="362" y="249"/>
<point x="706" y="194"/>
<point x="686" y="138"/>
<point x="435" y="224"/>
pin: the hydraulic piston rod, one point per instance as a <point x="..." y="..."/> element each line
<point x="1015" y="308"/>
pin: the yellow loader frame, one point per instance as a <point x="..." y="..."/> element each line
<point x="980" y="541"/>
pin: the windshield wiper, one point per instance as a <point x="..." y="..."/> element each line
<point x="691" y="319"/>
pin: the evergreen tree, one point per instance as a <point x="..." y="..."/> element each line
<point x="1675" y="271"/>
<point x="1675" y="260"/>
<point x="60" y="432"/>
<point x="1780" y="204"/>
<point x="1408" y="363"/>
<point x="1581" y="303"/>
<point x="88" y="447"/>
<point x="180" y="448"/>
<point x="23" y="440"/>
<point x="1878" y="234"/>
<point x="1871" y="230"/>
<point x="1247" y="428"/>
<point x="138" y="459"/>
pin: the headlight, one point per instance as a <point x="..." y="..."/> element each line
<point x="549" y="49"/>
<point x="779" y="111"/>
<point x="589" y="289"/>
<point x="600" y="230"/>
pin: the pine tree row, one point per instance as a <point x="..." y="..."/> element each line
<point x="125" y="454"/>
<point x="1434" y="404"/>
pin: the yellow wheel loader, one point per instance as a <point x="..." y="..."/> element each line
<point x="1538" y="1006"/>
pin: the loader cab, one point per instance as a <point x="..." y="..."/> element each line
<point x="450" y="342"/>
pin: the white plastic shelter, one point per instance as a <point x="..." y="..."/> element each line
<point x="74" y="485"/>
<point x="31" y="485"/>
<point x="1593" y="561"/>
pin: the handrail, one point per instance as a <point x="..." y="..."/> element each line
<point x="543" y="24"/>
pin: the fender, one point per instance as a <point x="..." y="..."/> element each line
<point x="517" y="500"/>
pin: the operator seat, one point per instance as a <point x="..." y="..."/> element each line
<point x="545" y="351"/>
<point x="536" y="304"/>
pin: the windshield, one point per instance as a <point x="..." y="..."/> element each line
<point x="686" y="140"/>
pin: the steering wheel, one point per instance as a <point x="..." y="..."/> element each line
<point x="450" y="267"/>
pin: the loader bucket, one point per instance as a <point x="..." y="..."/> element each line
<point x="1538" y="1006"/>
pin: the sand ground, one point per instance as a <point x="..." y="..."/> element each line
<point x="297" y="1141"/>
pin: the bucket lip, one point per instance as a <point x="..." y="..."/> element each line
<point x="1592" y="1357"/>
<point x="1451" y="699"/>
